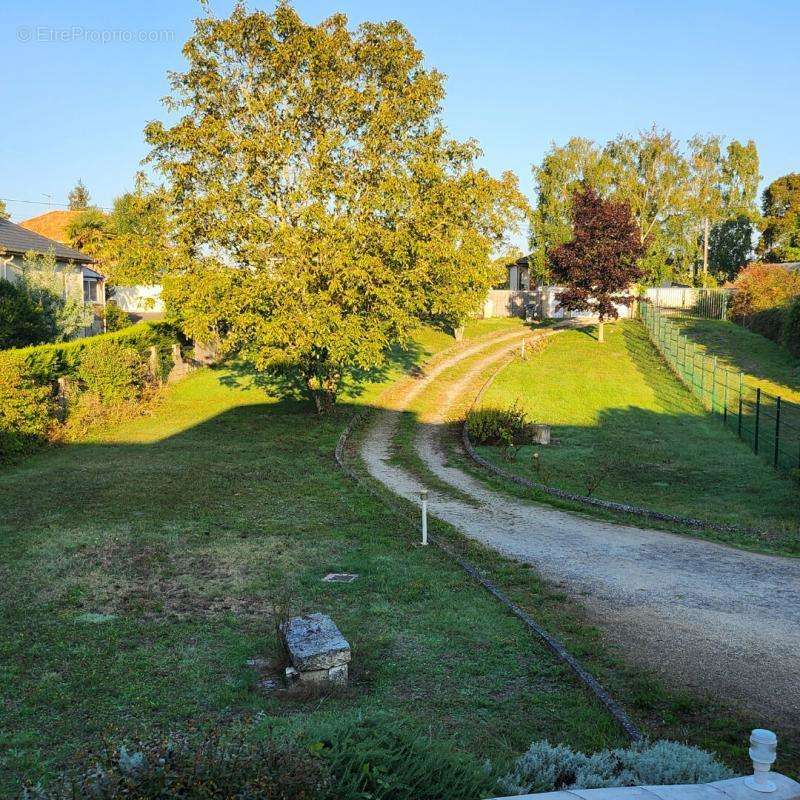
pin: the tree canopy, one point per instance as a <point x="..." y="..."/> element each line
<point x="599" y="263"/>
<point x="677" y="194"/>
<point x="4" y="210"/>
<point x="319" y="208"/>
<point x="132" y="241"/>
<point x="780" y="239"/>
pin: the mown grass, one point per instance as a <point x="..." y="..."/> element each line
<point x="626" y="429"/>
<point x="141" y="570"/>
<point x="766" y="364"/>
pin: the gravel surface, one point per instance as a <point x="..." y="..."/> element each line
<point x="698" y="613"/>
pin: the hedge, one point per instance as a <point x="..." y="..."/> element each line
<point x="111" y="368"/>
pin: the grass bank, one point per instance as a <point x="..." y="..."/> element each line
<point x="765" y="364"/>
<point x="625" y="429"/>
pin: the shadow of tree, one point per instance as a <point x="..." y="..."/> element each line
<point x="242" y="375"/>
<point x="744" y="350"/>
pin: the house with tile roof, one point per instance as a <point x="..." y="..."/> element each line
<point x="81" y="281"/>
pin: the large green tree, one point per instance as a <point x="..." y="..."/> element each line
<point x="320" y="210"/>
<point x="88" y="232"/>
<point x="678" y="195"/>
<point x="651" y="175"/>
<point x="564" y="169"/>
<point x="132" y="241"/>
<point x="4" y="211"/>
<point x="780" y="239"/>
<point x="138" y="250"/>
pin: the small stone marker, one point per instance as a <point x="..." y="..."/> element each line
<point x="319" y="653"/>
<point x="339" y="577"/>
<point x="540" y="434"/>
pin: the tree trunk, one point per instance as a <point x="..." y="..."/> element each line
<point x="600" y="330"/>
<point x="324" y="389"/>
<point x="705" y="248"/>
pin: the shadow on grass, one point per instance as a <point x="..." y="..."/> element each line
<point x="746" y="351"/>
<point x="406" y="359"/>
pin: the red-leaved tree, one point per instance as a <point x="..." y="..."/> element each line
<point x="599" y="264"/>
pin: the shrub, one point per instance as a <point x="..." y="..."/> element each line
<point x="762" y="286"/>
<point x="112" y="370"/>
<point x="116" y="318"/>
<point x="546" y="768"/>
<point x="212" y="770"/>
<point x="383" y="760"/>
<point x="497" y="426"/>
<point x="769" y="323"/>
<point x="791" y="328"/>
<point x="21" y="321"/>
<point x="26" y="410"/>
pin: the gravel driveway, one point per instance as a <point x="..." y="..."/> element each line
<point x="698" y="613"/>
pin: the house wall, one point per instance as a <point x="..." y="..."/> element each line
<point x="11" y="269"/>
<point x="139" y="299"/>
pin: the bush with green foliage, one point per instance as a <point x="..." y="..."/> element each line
<point x="769" y="323"/>
<point x="211" y="770"/>
<point x="112" y="371"/>
<point x="116" y="318"/>
<point x="378" y="759"/>
<point x="26" y="411"/>
<point x="548" y="768"/>
<point x="108" y="370"/>
<point x="790" y="335"/>
<point x="57" y="294"/>
<point x="22" y="322"/>
<point x="499" y="426"/>
<point x="382" y="759"/>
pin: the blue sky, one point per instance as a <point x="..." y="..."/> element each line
<point x="520" y="75"/>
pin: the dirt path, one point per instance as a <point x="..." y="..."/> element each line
<point x="698" y="613"/>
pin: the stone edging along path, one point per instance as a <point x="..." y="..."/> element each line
<point x="585" y="500"/>
<point x="553" y="644"/>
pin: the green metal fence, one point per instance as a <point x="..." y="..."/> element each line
<point x="768" y="423"/>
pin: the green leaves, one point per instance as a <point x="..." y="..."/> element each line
<point x="320" y="210"/>
<point x="671" y="190"/>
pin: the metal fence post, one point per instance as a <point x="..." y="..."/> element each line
<point x="725" y="400"/>
<point x="702" y="375"/>
<point x="741" y="381"/>
<point x="714" y="385"/>
<point x="758" y="416"/>
<point x="777" y="430"/>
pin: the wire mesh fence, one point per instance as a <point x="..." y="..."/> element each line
<point x="766" y="422"/>
<point x="689" y="301"/>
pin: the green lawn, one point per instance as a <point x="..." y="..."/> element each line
<point x="764" y="363"/>
<point x="625" y="429"/>
<point x="140" y="571"/>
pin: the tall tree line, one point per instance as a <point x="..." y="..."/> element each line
<point x="695" y="203"/>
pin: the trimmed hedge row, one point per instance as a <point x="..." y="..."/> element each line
<point x="107" y="370"/>
<point x="781" y="324"/>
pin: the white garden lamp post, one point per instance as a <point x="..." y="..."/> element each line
<point x="424" y="497"/>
